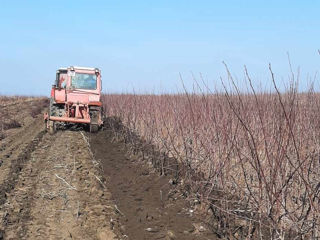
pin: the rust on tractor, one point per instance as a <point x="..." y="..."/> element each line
<point x="76" y="98"/>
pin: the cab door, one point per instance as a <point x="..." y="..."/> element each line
<point x="61" y="83"/>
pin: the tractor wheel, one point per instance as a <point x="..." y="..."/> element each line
<point x="52" y="127"/>
<point x="94" y="128"/>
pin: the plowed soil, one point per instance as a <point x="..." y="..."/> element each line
<point x="149" y="206"/>
<point x="50" y="185"/>
<point x="76" y="185"/>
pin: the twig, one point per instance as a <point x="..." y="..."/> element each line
<point x="89" y="149"/>
<point x="118" y="210"/>
<point x="100" y="181"/>
<point x="66" y="182"/>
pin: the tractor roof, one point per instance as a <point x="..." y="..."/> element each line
<point x="83" y="68"/>
<point x="77" y="67"/>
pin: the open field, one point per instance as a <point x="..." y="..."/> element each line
<point x="250" y="161"/>
<point x="186" y="166"/>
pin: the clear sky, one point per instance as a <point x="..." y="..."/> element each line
<point x="144" y="45"/>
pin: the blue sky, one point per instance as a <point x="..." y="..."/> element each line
<point x="144" y="45"/>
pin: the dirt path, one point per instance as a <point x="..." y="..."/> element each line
<point x="149" y="207"/>
<point x="57" y="194"/>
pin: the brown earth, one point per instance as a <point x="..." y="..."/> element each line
<point x="76" y="185"/>
<point x="50" y="185"/>
<point x="17" y="140"/>
<point x="149" y="206"/>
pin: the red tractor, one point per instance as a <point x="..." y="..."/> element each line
<point x="76" y="98"/>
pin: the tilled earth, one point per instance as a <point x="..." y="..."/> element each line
<point x="73" y="185"/>
<point x="150" y="207"/>
<point x="50" y="185"/>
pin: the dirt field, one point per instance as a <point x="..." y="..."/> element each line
<point x="150" y="207"/>
<point x="50" y="186"/>
<point x="73" y="185"/>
